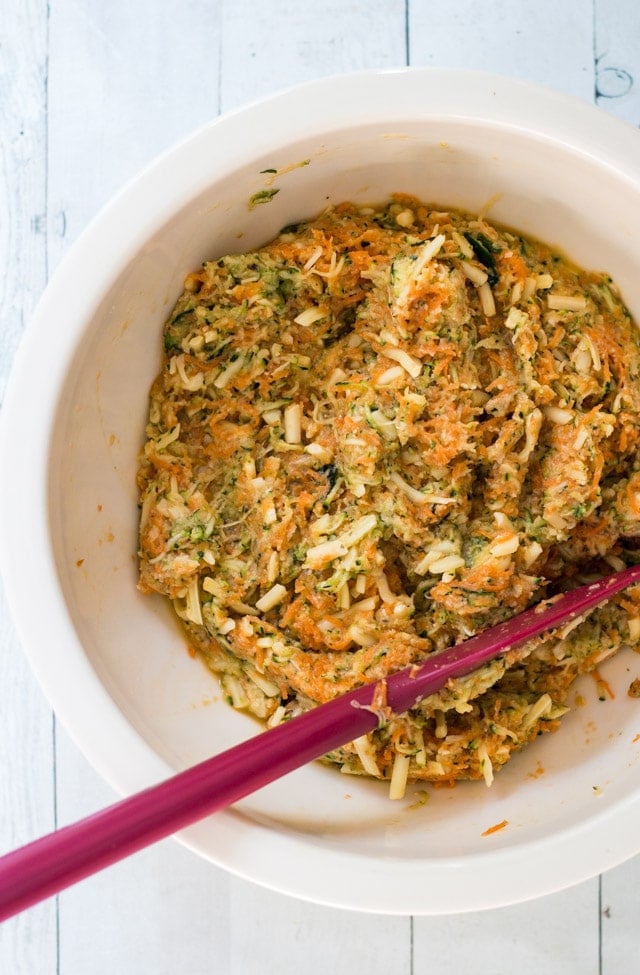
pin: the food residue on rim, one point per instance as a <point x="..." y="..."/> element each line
<point x="604" y="687"/>
<point x="537" y="772"/>
<point x="421" y="798"/>
<point x="495" y="828"/>
<point x="204" y="702"/>
<point x="272" y="173"/>
<point x="590" y="729"/>
<point x="262" y="196"/>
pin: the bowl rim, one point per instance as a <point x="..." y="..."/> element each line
<point x="123" y="758"/>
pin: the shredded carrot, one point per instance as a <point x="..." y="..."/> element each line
<point x="496" y="828"/>
<point x="604" y="687"/>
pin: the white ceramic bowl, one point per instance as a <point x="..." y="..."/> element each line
<point x="113" y="663"/>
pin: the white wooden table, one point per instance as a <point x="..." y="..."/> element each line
<point x="89" y="92"/>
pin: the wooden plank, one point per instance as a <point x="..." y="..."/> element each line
<point x="617" y="58"/>
<point x="27" y="942"/>
<point x="268" y="46"/>
<point x="544" y="41"/>
<point x="550" y="44"/>
<point x="137" y="96"/>
<point x="474" y="37"/>
<point x="617" y="50"/>
<point x="165" y="910"/>
<point x="557" y="935"/>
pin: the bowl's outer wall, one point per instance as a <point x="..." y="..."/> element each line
<point x="115" y="666"/>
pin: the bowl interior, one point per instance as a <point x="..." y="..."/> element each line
<point x="537" y="184"/>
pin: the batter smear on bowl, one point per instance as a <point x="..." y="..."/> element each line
<point x="383" y="432"/>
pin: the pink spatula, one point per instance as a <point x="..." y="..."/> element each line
<point x="55" y="861"/>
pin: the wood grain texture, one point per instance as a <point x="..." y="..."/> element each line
<point x="28" y="942"/>
<point x="310" y="938"/>
<point x="557" y="935"/>
<point x="89" y="93"/>
<point x="23" y="135"/>
<point x="544" y="41"/>
<point x="617" y="58"/>
<point x="126" y="81"/>
<point x="269" y="46"/>
<point x="165" y="910"/>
